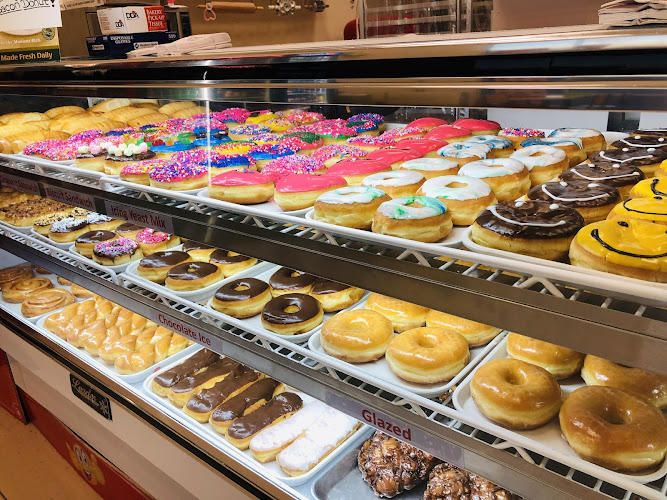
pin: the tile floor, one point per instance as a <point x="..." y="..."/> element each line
<point x="30" y="468"/>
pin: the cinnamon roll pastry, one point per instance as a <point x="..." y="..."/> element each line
<point x="10" y="274"/>
<point x="18" y="291"/>
<point x="44" y="301"/>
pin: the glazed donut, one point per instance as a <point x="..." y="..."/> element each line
<point x="509" y="178"/>
<point x="393" y="157"/>
<point x="198" y="251"/>
<point x="627" y="247"/>
<point x="561" y="362"/>
<point x="117" y="252"/>
<point x="85" y="243"/>
<point x="355" y="171"/>
<point x="128" y="230"/>
<point x="463" y="153"/>
<point x="356" y="336"/>
<point x="465" y="197"/>
<point x="292" y="314"/>
<point x="427" y="122"/>
<point x="592" y="140"/>
<point x="592" y="200"/>
<point x="613" y="428"/>
<point x="18" y="291"/>
<point x="622" y="177"/>
<point x="397" y="184"/>
<point x="403" y="315"/>
<point x="650" y="386"/>
<point x="448" y="133"/>
<point x="519" y="134"/>
<point x="192" y="276"/>
<point x="427" y="148"/>
<point x="572" y="146"/>
<point x="427" y="355"/>
<point x="640" y="141"/>
<point x="63" y="281"/>
<point x="643" y="209"/>
<point x="335" y="296"/>
<point x="650" y="188"/>
<point x="478" y="127"/>
<point x="352" y="206"/>
<point x="544" y="163"/>
<point x="155" y="266"/>
<point x="500" y="147"/>
<point x="418" y="218"/>
<point x="431" y="167"/>
<point x="515" y="394"/>
<point x="231" y="263"/>
<point x="242" y="298"/>
<point x="286" y="280"/>
<point x="45" y="300"/>
<point x="646" y="159"/>
<point x="299" y="191"/>
<point x="535" y="228"/>
<point x="242" y="186"/>
<point x="14" y="273"/>
<point x="68" y="229"/>
<point x="476" y="334"/>
<point x="151" y="241"/>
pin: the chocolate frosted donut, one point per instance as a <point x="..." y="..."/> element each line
<point x="656" y="132"/>
<point x="286" y="280"/>
<point x="620" y="176"/>
<point x="292" y="313"/>
<point x="195" y="245"/>
<point x="94" y="237"/>
<point x="335" y="296"/>
<point x="231" y="263"/>
<point x="192" y="276"/>
<point x="241" y="289"/>
<point x="135" y="157"/>
<point x="640" y="141"/>
<point x="156" y="266"/>
<point x="324" y="287"/>
<point x="647" y="159"/>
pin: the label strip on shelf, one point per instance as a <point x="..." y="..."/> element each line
<point x="190" y="332"/>
<point x="69" y="197"/>
<point x="20" y="184"/>
<point x="138" y="216"/>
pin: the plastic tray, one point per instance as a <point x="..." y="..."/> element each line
<point x="20" y="229"/>
<point x="115" y="180"/>
<point x="453" y="239"/>
<point x="21" y="156"/>
<point x="268" y="208"/>
<point x="546" y="440"/>
<point x="62" y="246"/>
<point x="596" y="280"/>
<point x="15" y="308"/>
<point x="270" y="468"/>
<point x="116" y="269"/>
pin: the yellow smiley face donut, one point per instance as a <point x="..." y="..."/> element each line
<point x="649" y="188"/>
<point x="626" y="247"/>
<point x="644" y="209"/>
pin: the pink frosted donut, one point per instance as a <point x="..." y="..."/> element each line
<point x="242" y="186"/>
<point x="355" y="171"/>
<point x="449" y="133"/>
<point x="334" y="153"/>
<point x="299" y="191"/>
<point x="370" y="142"/>
<point x="479" y="127"/>
<point x="405" y="132"/>
<point x="293" y="164"/>
<point x="393" y="157"/>
<point x="425" y="147"/>
<point x="428" y="122"/>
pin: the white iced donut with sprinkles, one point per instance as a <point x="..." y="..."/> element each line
<point x="465" y="197"/>
<point x="500" y="146"/>
<point x="351" y="206"/>
<point x="509" y="178"/>
<point x="544" y="163"/>
<point x="431" y="167"/>
<point x="463" y="153"/>
<point x="397" y="184"/>
<point x="592" y="140"/>
<point x="417" y="218"/>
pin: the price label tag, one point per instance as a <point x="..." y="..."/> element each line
<point x="400" y="430"/>
<point x="69" y="197"/>
<point x="203" y="338"/>
<point x="139" y="216"/>
<point x="20" y="184"/>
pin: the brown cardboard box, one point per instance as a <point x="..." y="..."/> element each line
<point x="520" y="14"/>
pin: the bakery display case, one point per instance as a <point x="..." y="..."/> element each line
<point x="508" y="268"/>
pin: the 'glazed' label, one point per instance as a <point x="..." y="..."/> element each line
<point x="194" y="334"/>
<point x="138" y="216"/>
<point x="20" y="184"/>
<point x="69" y="197"/>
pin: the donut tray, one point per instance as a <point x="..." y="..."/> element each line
<point x="651" y="292"/>
<point x="268" y="208"/>
<point x="269" y="468"/>
<point x="64" y="170"/>
<point x="66" y="163"/>
<point x="20" y="229"/>
<point x="546" y="440"/>
<point x="379" y="369"/>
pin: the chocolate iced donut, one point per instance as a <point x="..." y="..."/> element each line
<point x="291" y="314"/>
<point x="192" y="276"/>
<point x="231" y="263"/>
<point x="242" y="298"/>
<point x="640" y="141"/>
<point x="656" y="132"/>
<point x="591" y="199"/>
<point x="646" y="159"/>
<point x="198" y="251"/>
<point x="128" y="230"/>
<point x="286" y="280"/>
<point x="620" y="176"/>
<point x="154" y="267"/>
<point x="68" y="229"/>
<point x="85" y="243"/>
<point x="535" y="228"/>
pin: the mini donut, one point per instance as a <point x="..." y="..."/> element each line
<point x="393" y="157"/>
<point x="68" y="230"/>
<point x="478" y="127"/>
<point x="649" y="188"/>
<point x="614" y="428"/>
<point x="427" y="122"/>
<point x="650" y="386"/>
<point x="500" y="147"/>
<point x="245" y="187"/>
<point x="286" y="280"/>
<point x="198" y="251"/>
<point x="335" y="296"/>
<point x="151" y="241"/>
<point x="630" y="248"/>
<point x="299" y="191"/>
<point x="463" y="153"/>
<point x="403" y="315"/>
<point x="117" y="252"/>
<point x="355" y="171"/>
<point x="509" y="178"/>
<point x="592" y="140"/>
<point x="292" y="314"/>
<point x="397" y="184"/>
<point x="543" y="162"/>
<point x="370" y="143"/>
<point x="332" y="154"/>
<point x="465" y="197"/>
<point x="622" y="177"/>
<point x="431" y="167"/>
<point x="155" y="266"/>
<point x="643" y="209"/>
<point x="356" y="336"/>
<point x="476" y="334"/>
<point x="427" y="148"/>
<point x="190" y="276"/>
<point x="572" y="146"/>
<point x="231" y="263"/>
<point x="515" y="394"/>
<point x="242" y="298"/>
<point x="293" y="164"/>
<point x="640" y="141"/>
<point x="418" y="218"/>
<point x="352" y="206"/>
<point x="85" y="243"/>
<point x="646" y="159"/>
<point x="519" y="134"/>
<point x="561" y="362"/>
<point x="535" y="228"/>
<point x="427" y="355"/>
<point x="448" y="133"/>
<point x="592" y="200"/>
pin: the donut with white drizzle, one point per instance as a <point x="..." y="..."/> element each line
<point x="646" y="159"/>
<point x="622" y="177"/>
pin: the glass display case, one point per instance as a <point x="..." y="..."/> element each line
<point x="178" y="126"/>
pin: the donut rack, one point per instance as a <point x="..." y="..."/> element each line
<point x="591" y="315"/>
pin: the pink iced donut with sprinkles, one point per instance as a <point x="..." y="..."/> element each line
<point x="293" y="164"/>
<point x="479" y="127"/>
<point x="449" y="133"/>
<point x="245" y="187"/>
<point x="179" y="176"/>
<point x="394" y="157"/>
<point x="425" y="147"/>
<point x="370" y="142"/>
<point x="355" y="171"/>
<point x="299" y="191"/>
<point x="403" y="133"/>
<point x="334" y="153"/>
<point x="151" y="241"/>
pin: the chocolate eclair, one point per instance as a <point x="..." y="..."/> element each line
<point x="190" y="276"/>
<point x="85" y="243"/>
<point x="154" y="267"/>
<point x="181" y="391"/>
<point x="286" y="280"/>
<point x="242" y="298"/>
<point x="195" y="363"/>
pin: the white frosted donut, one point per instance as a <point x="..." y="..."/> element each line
<point x="429" y="164"/>
<point x="351" y="194"/>
<point x="401" y="208"/>
<point x="470" y="188"/>
<point x="591" y="140"/>
<point x="414" y="217"/>
<point x="499" y="145"/>
<point x="397" y="183"/>
<point x="463" y="153"/>
<point x="543" y="162"/>
<point x="554" y="141"/>
<point x="351" y="206"/>
<point x="509" y="178"/>
<point x="574" y="132"/>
